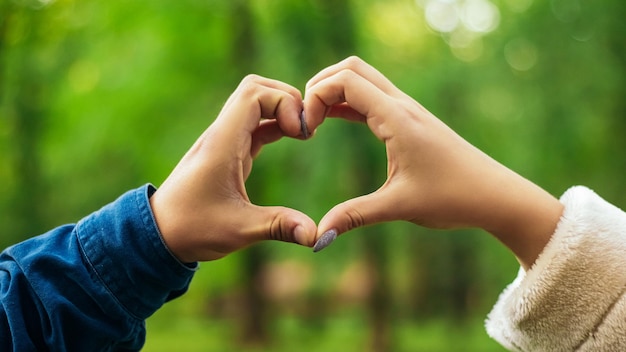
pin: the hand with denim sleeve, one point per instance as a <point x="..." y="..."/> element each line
<point x="435" y="178"/>
<point x="202" y="209"/>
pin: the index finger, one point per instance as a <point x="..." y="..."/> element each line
<point x="258" y="97"/>
<point x="356" y="64"/>
<point x="349" y="95"/>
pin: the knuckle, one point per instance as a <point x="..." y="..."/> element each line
<point x="278" y="232"/>
<point x="251" y="87"/>
<point x="250" y="83"/>
<point x="346" y="74"/>
<point x="354" y="62"/>
<point x="251" y="79"/>
<point x="355" y="218"/>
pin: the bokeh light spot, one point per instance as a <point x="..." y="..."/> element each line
<point x="442" y="16"/>
<point x="520" y="54"/>
<point x="466" y="46"/>
<point x="480" y="16"/>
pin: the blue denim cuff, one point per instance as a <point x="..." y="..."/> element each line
<point x="123" y="246"/>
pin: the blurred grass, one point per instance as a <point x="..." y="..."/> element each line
<point x="343" y="331"/>
<point x="204" y="319"/>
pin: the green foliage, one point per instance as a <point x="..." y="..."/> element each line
<point x="100" y="96"/>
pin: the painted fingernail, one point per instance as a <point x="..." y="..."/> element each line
<point x="303" y="128"/>
<point x="325" y="240"/>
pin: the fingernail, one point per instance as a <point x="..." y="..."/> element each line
<point x="299" y="234"/>
<point x="303" y="128"/>
<point x="325" y="240"/>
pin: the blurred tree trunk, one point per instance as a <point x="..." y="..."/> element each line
<point x="367" y="164"/>
<point x="244" y="55"/>
<point x="23" y="97"/>
<point x="379" y="303"/>
<point x="6" y="8"/>
<point x="340" y="35"/>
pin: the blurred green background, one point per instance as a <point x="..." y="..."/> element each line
<point x="97" y="97"/>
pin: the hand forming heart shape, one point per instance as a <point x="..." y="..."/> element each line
<point x="435" y="178"/>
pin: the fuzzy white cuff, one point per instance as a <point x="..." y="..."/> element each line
<point x="572" y="299"/>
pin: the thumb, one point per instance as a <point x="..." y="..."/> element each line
<point x="357" y="212"/>
<point x="282" y="224"/>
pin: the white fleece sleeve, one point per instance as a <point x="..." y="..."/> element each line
<point x="572" y="299"/>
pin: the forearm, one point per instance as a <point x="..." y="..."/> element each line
<point x="471" y="189"/>
<point x="520" y="214"/>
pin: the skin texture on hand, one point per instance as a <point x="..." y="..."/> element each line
<point x="202" y="209"/>
<point x="434" y="177"/>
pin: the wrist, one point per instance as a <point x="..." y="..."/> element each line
<point x="524" y="219"/>
<point x="170" y="241"/>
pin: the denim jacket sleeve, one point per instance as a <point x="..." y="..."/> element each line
<point x="89" y="286"/>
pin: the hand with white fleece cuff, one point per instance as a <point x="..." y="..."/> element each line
<point x="435" y="178"/>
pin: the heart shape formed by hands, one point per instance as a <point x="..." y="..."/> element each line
<point x="434" y="177"/>
<point x="203" y="210"/>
